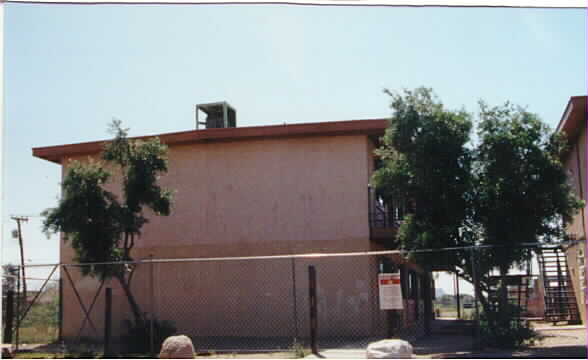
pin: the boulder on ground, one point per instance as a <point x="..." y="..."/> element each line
<point x="177" y="347"/>
<point x="389" y="349"/>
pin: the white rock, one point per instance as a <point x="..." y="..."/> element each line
<point x="177" y="347"/>
<point x="389" y="349"/>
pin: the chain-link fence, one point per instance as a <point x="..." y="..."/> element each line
<point x="273" y="303"/>
<point x="34" y="317"/>
<point x="247" y="304"/>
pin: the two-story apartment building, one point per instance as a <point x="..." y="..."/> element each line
<point x="256" y="191"/>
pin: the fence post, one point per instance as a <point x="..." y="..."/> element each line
<point x="295" y="314"/>
<point x="476" y="289"/>
<point x="60" y="335"/>
<point x="151" y="290"/>
<point x="428" y="303"/>
<point x="313" y="308"/>
<point x="18" y="302"/>
<point x="392" y="319"/>
<point x="370" y="207"/>
<point x="8" y="320"/>
<point x="107" y="321"/>
<point x="458" y="302"/>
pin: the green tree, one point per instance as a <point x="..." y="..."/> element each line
<point x="521" y="189"/>
<point x="100" y="226"/>
<point x="508" y="188"/>
<point x="10" y="273"/>
<point x="427" y="168"/>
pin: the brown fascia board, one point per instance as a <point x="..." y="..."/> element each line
<point x="371" y="127"/>
<point x="573" y="117"/>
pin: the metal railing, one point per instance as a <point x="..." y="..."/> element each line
<point x="383" y="215"/>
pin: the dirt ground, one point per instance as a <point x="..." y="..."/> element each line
<point x="449" y="340"/>
<point x="556" y="342"/>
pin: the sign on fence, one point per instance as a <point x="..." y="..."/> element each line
<point x="390" y="291"/>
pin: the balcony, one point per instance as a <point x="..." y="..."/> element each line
<point x="385" y="219"/>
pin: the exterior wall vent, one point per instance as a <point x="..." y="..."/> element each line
<point x="218" y="115"/>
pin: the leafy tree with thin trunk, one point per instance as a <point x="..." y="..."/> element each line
<point x="521" y="189"/>
<point x="507" y="188"/>
<point x="427" y="171"/>
<point x="102" y="227"/>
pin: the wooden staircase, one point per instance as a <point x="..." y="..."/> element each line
<point x="560" y="299"/>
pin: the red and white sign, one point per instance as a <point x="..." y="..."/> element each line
<point x="390" y="291"/>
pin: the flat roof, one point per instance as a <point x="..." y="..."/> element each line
<point x="371" y="127"/>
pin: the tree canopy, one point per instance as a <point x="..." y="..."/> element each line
<point x="506" y="188"/>
<point x="428" y="167"/>
<point x="101" y="226"/>
<point x="521" y="188"/>
<point x="10" y="273"/>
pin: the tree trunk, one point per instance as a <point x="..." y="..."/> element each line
<point x="482" y="299"/>
<point x="131" y="299"/>
<point x="503" y="295"/>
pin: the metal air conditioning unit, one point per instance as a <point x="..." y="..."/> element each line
<point x="218" y="115"/>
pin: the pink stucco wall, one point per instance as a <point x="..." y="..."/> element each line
<point x="575" y="164"/>
<point x="248" y="198"/>
<point x="576" y="255"/>
<point x="295" y="194"/>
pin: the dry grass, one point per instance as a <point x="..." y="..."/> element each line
<point x="40" y="334"/>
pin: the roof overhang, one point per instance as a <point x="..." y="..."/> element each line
<point x="574" y="117"/>
<point x="371" y="127"/>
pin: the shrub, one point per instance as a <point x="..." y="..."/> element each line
<point x="138" y="337"/>
<point x="506" y="332"/>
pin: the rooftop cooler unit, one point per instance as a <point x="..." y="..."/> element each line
<point x="218" y="115"/>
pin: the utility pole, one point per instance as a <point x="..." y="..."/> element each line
<point x="18" y="220"/>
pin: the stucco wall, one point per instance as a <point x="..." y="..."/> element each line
<point x="576" y="255"/>
<point x="575" y="164"/>
<point x="248" y="198"/>
<point x="298" y="195"/>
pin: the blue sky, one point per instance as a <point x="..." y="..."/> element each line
<point x="70" y="69"/>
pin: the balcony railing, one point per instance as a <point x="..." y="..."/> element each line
<point x="384" y="216"/>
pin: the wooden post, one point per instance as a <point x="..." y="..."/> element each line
<point x="295" y="312"/>
<point x="519" y="297"/>
<point x="60" y="336"/>
<point x="18" y="220"/>
<point x="428" y="299"/>
<point x="313" y="308"/>
<point x="107" y="321"/>
<point x="458" y="299"/>
<point x="8" y="320"/>
<point x="18" y="301"/>
<point x="394" y="317"/>
<point x="151" y="319"/>
<point x="391" y="322"/>
<point x="475" y="281"/>
<point x="417" y="295"/>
